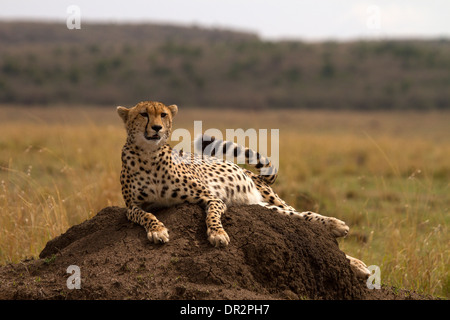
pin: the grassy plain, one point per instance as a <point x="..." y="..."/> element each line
<point x="385" y="173"/>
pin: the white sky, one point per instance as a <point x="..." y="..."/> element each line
<point x="271" y="19"/>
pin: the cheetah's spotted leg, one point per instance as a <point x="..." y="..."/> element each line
<point x="216" y="234"/>
<point x="358" y="267"/>
<point x="337" y="227"/>
<point x="156" y="231"/>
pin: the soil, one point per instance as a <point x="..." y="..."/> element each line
<point x="270" y="256"/>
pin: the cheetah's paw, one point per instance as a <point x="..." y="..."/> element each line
<point x="337" y="227"/>
<point x="218" y="237"/>
<point x="358" y="267"/>
<point x="158" y="235"/>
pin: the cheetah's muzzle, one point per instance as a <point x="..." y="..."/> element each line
<point x="153" y="137"/>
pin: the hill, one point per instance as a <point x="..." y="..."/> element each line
<point x="102" y="64"/>
<point x="270" y="257"/>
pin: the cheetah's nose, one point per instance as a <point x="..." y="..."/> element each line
<point x="156" y="128"/>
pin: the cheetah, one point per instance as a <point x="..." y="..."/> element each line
<point x="155" y="175"/>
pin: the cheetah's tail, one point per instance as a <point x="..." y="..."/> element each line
<point x="210" y="146"/>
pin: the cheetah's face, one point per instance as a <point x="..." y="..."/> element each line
<point x="148" y="123"/>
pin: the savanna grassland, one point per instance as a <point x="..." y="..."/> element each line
<point x="385" y="173"/>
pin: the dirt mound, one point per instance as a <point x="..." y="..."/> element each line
<point x="270" y="257"/>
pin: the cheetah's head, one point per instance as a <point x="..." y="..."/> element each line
<point x="148" y="123"/>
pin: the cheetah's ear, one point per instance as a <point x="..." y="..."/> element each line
<point x="173" y="109"/>
<point x="123" y="113"/>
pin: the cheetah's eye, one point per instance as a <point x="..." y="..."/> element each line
<point x="163" y="114"/>
<point x="144" y="114"/>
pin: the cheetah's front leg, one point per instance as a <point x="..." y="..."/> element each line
<point x="156" y="231"/>
<point x="216" y="234"/>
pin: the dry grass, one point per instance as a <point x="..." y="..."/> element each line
<point x="385" y="174"/>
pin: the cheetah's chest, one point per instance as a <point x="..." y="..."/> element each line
<point x="160" y="189"/>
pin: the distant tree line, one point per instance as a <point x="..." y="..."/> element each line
<point x="47" y="64"/>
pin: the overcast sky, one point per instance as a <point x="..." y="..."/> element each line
<point x="271" y="19"/>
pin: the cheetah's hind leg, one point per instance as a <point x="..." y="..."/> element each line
<point x="272" y="201"/>
<point x="337" y="227"/>
<point x="358" y="267"/>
